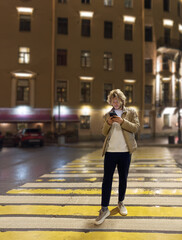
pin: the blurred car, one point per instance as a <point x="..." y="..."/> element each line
<point x="29" y="136"/>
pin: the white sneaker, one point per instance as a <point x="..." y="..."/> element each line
<point x="122" y="209"/>
<point x="102" y="216"/>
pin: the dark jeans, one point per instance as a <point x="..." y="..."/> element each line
<point x="122" y="161"/>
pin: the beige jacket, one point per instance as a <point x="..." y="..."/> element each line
<point x="129" y="126"/>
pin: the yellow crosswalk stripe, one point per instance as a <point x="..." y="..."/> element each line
<point x="72" y="235"/>
<point x="134" y="211"/>
<point x="136" y="191"/>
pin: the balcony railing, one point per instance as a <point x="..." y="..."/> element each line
<point x="169" y="43"/>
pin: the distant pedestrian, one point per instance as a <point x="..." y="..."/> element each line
<point x="119" y="128"/>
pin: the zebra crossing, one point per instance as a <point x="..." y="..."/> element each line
<point x="64" y="203"/>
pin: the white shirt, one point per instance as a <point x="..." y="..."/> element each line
<point x="117" y="142"/>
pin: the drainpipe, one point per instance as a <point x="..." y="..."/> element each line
<point x="53" y="65"/>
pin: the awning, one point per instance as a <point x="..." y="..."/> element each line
<point x="34" y="115"/>
<point x="67" y="118"/>
<point x="8" y="115"/>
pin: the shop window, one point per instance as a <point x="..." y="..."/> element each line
<point x="146" y="121"/>
<point x="84" y="122"/>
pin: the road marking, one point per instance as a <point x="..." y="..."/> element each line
<point x="124" y="224"/>
<point x="99" y="184"/>
<point x="94" y="191"/>
<point x="136" y="211"/>
<point x="90" y="200"/>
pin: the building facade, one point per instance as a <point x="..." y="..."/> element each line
<point x="61" y="58"/>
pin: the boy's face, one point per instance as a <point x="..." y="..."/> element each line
<point x="116" y="103"/>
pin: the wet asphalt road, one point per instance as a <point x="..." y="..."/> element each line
<point x="20" y="165"/>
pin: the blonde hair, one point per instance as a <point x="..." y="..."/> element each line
<point x="118" y="94"/>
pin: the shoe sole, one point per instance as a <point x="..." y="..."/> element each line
<point x="102" y="220"/>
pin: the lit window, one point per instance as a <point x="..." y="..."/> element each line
<point x="108" y="2"/>
<point x="85" y="92"/>
<point x="108" y="61"/>
<point x="62" y="91"/>
<point x="24" y="55"/>
<point x="84" y="122"/>
<point x="85" y="59"/>
<point x="129" y="93"/>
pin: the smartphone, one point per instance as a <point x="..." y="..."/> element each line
<point x="112" y="114"/>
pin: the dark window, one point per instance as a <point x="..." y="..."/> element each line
<point x="108" y="29"/>
<point x="167" y="35"/>
<point x="85" y="31"/>
<point x="165" y="93"/>
<point x="128" y="63"/>
<point x="148" y="94"/>
<point x="108" y="61"/>
<point x="62" y="26"/>
<point x="179" y="8"/>
<point x="85" y="91"/>
<point x="166" y="5"/>
<point x="23" y="91"/>
<point x="180" y="40"/>
<point x="128" y="33"/>
<point x="165" y="62"/>
<point x="85" y="1"/>
<point x="148" y="65"/>
<point x="25" y="23"/>
<point x="84" y="122"/>
<point x="62" y="1"/>
<point x="148" y="34"/>
<point x="129" y="93"/>
<point x="61" y="57"/>
<point x="107" y="89"/>
<point x="108" y="3"/>
<point x="62" y="91"/>
<point x="128" y="3"/>
<point x="147" y="4"/>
